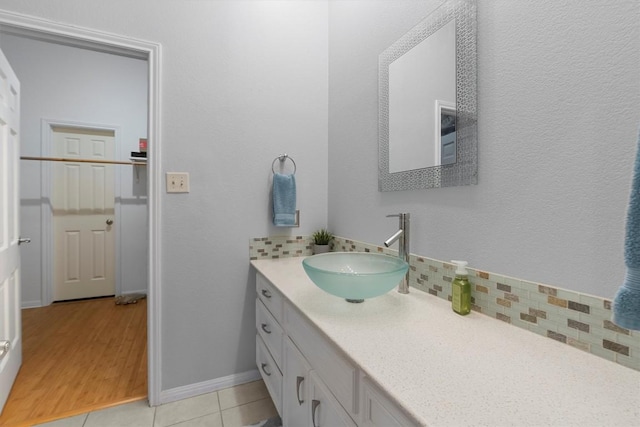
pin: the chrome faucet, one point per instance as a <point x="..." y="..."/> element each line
<point x="402" y="235"/>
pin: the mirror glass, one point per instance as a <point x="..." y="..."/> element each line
<point x="420" y="82"/>
<point x="427" y="103"/>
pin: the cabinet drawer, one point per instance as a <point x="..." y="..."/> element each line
<point x="270" y="372"/>
<point x="270" y="297"/>
<point x="270" y="331"/>
<point x="340" y="376"/>
<point x="379" y="410"/>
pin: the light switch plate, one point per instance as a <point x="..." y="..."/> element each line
<point x="177" y="182"/>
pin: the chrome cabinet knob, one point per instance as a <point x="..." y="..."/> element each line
<point x="22" y="240"/>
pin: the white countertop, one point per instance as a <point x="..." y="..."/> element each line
<point x="451" y="370"/>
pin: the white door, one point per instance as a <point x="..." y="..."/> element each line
<point x="10" y="327"/>
<point x="83" y="215"/>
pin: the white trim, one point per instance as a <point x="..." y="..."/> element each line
<point x="46" y="128"/>
<point x="154" y="182"/>
<point x="31" y="304"/>
<point x="139" y="291"/>
<point x="44" y="29"/>
<point x="184" y="392"/>
<point x="46" y="218"/>
<point x="152" y="51"/>
<point x="440" y="106"/>
<point x="67" y="41"/>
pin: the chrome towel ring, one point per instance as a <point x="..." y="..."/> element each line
<point x="283" y="158"/>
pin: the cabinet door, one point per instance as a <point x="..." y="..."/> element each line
<point x="336" y="371"/>
<point x="325" y="409"/>
<point x="296" y="405"/>
<point x="378" y="410"/>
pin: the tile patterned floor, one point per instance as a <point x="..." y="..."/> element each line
<point x="238" y="406"/>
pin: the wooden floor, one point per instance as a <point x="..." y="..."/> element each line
<point x="78" y="357"/>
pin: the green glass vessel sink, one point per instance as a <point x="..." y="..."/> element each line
<point x="355" y="276"/>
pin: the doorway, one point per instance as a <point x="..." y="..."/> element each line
<point x="78" y="199"/>
<point x="37" y="28"/>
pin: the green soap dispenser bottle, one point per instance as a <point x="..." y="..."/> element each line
<point x="461" y="290"/>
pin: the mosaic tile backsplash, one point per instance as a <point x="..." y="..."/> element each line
<point x="578" y="320"/>
<point x="280" y="247"/>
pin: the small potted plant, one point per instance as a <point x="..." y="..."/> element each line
<point x="321" y="240"/>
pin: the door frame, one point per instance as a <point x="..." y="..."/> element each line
<point x="151" y="51"/>
<point x="46" y="216"/>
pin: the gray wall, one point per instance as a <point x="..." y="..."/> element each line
<point x="559" y="108"/>
<point x="69" y="84"/>
<point x="242" y="82"/>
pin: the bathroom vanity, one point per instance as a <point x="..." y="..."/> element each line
<point x="402" y="360"/>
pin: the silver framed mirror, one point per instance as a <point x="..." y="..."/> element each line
<point x="427" y="84"/>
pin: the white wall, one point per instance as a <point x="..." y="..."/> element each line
<point x="559" y="109"/>
<point x="242" y="82"/>
<point x="69" y="84"/>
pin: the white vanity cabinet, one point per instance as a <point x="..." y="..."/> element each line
<point x="312" y="383"/>
<point x="386" y="362"/>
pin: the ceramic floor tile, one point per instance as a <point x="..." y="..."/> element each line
<point x="271" y="422"/>
<point x="241" y="394"/>
<point x="186" y="409"/>
<point x="136" y="414"/>
<point x="77" y="421"/>
<point x="249" y="414"/>
<point x="211" y="420"/>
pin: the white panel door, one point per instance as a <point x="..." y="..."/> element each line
<point x="83" y="215"/>
<point x="10" y="327"/>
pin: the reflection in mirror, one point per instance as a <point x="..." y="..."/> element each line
<point x="419" y="81"/>
<point x="445" y="135"/>
<point x="427" y="103"/>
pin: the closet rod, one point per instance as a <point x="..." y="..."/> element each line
<point x="63" y="159"/>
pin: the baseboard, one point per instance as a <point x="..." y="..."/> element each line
<point x="141" y="291"/>
<point x="183" y="392"/>
<point x="38" y="303"/>
<point x="31" y="304"/>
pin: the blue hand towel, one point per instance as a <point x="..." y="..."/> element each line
<point x="626" y="303"/>
<point x="284" y="200"/>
